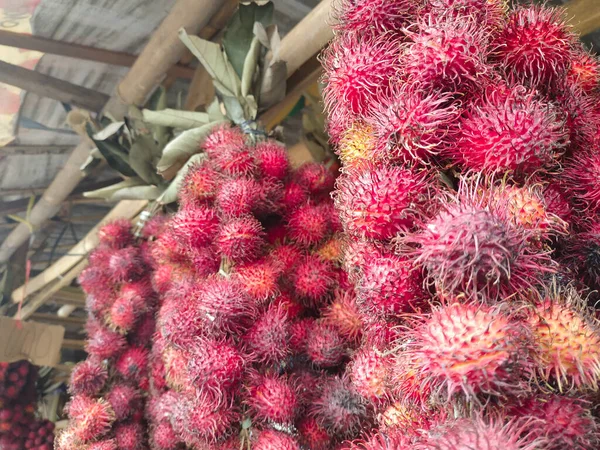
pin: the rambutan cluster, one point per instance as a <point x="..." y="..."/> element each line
<point x="469" y="201"/>
<point x="110" y="387"/>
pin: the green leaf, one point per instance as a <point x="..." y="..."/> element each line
<point x="158" y="99"/>
<point x="215" y="62"/>
<point x="114" y="154"/>
<point x="170" y="194"/>
<point x="141" y="158"/>
<point x="239" y="32"/>
<point x="107" y="192"/>
<point x="274" y="75"/>
<point x="174" y="118"/>
<point x="90" y="164"/>
<point x="180" y="149"/>
<point x="137" y="193"/>
<point x="235" y="110"/>
<point x="250" y="66"/>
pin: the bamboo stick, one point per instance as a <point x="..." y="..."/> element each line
<point x="584" y="15"/>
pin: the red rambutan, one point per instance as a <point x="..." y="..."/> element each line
<point x="95" y="282"/>
<point x="259" y="279"/>
<point x="272" y="159"/>
<point x="124" y="400"/>
<point x="194" y="227"/>
<point x="130" y="436"/>
<point x="315" y="178"/>
<point x="314" y="280"/>
<point x="556" y="201"/>
<point x="91" y="419"/>
<point x="490" y="14"/>
<point x="144" y="330"/>
<point x="104" y="444"/>
<point x="88" y="377"/>
<point x="105" y="343"/>
<point x="388" y="440"/>
<point x="582" y="255"/>
<point x="199" y="185"/>
<point x="379" y="15"/>
<point x="204" y="261"/>
<point x="235" y="161"/>
<point x="124" y="264"/>
<point x="268" y="339"/>
<point x="132" y="363"/>
<point x="344" y="315"/>
<point x="584" y="71"/>
<point x="294" y="195"/>
<point x="116" y="234"/>
<point x="308" y="225"/>
<point x="581" y="182"/>
<point x="223" y="136"/>
<point x="125" y="312"/>
<point x="313" y="435"/>
<point x="370" y="373"/>
<point x="332" y="250"/>
<point x="203" y="419"/>
<point x="241" y="239"/>
<point x="272" y="398"/>
<point x="289" y="305"/>
<point x="238" y="197"/>
<point x="275" y="440"/>
<point x="324" y="346"/>
<point x="164" y="437"/>
<point x="299" y="332"/>
<point x="285" y="257"/>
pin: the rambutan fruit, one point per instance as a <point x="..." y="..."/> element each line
<point x="204" y="261"/>
<point x="124" y="400"/>
<point x="567" y="340"/>
<point x="313" y="435"/>
<point x="132" y="363"/>
<point x="124" y="264"/>
<point x="200" y="185"/>
<point x="124" y="313"/>
<point x="275" y="440"/>
<point x="472" y="248"/>
<point x="357" y="70"/>
<point x="88" y="377"/>
<point x="268" y="339"/>
<point x="343" y="314"/>
<point x="315" y="178"/>
<point x="223" y="136"/>
<point x="194" y="227"/>
<point x="259" y="279"/>
<point x="144" y="330"/>
<point x="379" y="332"/>
<point x="238" y="197"/>
<point x="385" y="440"/>
<point x="164" y="437"/>
<point x="294" y="195"/>
<point x="412" y="124"/>
<point x="272" y="159"/>
<point x="370" y="373"/>
<point x="324" y="346"/>
<point x="356" y="253"/>
<point x="105" y="344"/>
<point x="581" y="181"/>
<point x="241" y="239"/>
<point x="169" y="249"/>
<point x="358" y="144"/>
<point x="65" y="440"/>
<point x="200" y="419"/>
<point x="116" y="234"/>
<point x="104" y="444"/>
<point x="339" y="408"/>
<point x="584" y="71"/>
<point x="535" y="46"/>
<point x="405" y="417"/>
<point x="308" y="225"/>
<point x="468" y="349"/>
<point x="556" y="201"/>
<point x="379" y="15"/>
<point x="490" y="14"/>
<point x="389" y="285"/>
<point x="445" y="53"/>
<point x="332" y="250"/>
<point x="272" y="398"/>
<point x="299" y="332"/>
<point x="313" y="280"/>
<point x="378" y="202"/>
<point x="154" y="226"/>
<point x="130" y="436"/>
<point x="564" y="422"/>
<point x="582" y="254"/>
<point x="91" y="419"/>
<point x="235" y="161"/>
<point x="292" y="307"/>
<point x="510" y="130"/>
<point x="285" y="257"/>
<point x="95" y="282"/>
<point x="479" y="434"/>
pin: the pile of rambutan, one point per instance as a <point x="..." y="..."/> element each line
<point x="110" y="387"/>
<point x="469" y="200"/>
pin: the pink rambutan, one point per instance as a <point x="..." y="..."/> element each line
<point x="584" y="71"/>
<point x="308" y="225"/>
<point x="272" y="398"/>
<point x="582" y="254"/>
<point x="204" y="261"/>
<point x="203" y="419"/>
<point x="169" y="249"/>
<point x="343" y="314"/>
<point x="164" y="437"/>
<point x="581" y="181"/>
<point x="130" y="436"/>
<point x="468" y="349"/>
<point x="564" y="422"/>
<point x="154" y="226"/>
<point x="144" y="330"/>
<point x="200" y="185"/>
<point x="535" y="45"/>
<point x="104" y="444"/>
<point x="272" y="159"/>
<point x="294" y="195"/>
<point x="370" y="373"/>
<point x="95" y="282"/>
<point x="379" y="15"/>
<point x="357" y="70"/>
<point x="235" y="161"/>
<point x="91" y="419"/>
<point x="339" y="408"/>
<point x="125" y="312"/>
<point x="124" y="400"/>
<point x="356" y="253"/>
<point x="285" y="257"/>
<point x="510" y="130"/>
<point x="116" y="234"/>
<point x="314" y="280"/>
<point x="238" y="197"/>
<point x="299" y="332"/>
<point x="88" y="377"/>
<point x="259" y="279"/>
<point x="324" y="346"/>
<point x="490" y="14"/>
<point x="445" y="53"/>
<point x="332" y="249"/>
<point x="315" y="178"/>
<point x="194" y="227"/>
<point x="132" y="363"/>
<point x="412" y="124"/>
<point x="223" y="136"/>
<point x="292" y="307"/>
<point x="388" y="440"/>
<point x="124" y="264"/>
<point x="268" y="339"/>
<point x="105" y="343"/>
<point x="313" y="435"/>
<point x="378" y="202"/>
<point x="241" y="239"/>
<point x="275" y="440"/>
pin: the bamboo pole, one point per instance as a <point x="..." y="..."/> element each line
<point x="584" y="15"/>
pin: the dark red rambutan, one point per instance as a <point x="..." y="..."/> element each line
<point x="235" y="161"/>
<point x="339" y="408"/>
<point x="378" y="202"/>
<point x="581" y="182"/>
<point x="580" y="114"/>
<point x="313" y="435"/>
<point x="535" y="45"/>
<point x="510" y="130"/>
<point x="268" y="339"/>
<point x="370" y="373"/>
<point x="238" y="196"/>
<point x="556" y="201"/>
<point x="292" y="307"/>
<point x="275" y="440"/>
<point x="272" y="398"/>
<point x="223" y="136"/>
<point x="259" y="279"/>
<point x="272" y="159"/>
<point x="285" y="257"/>
<point x="564" y="422"/>
<point x="130" y="436"/>
<point x="582" y="254"/>
<point x="468" y="348"/>
<point x="299" y="332"/>
<point x="200" y="419"/>
<point x="343" y="314"/>
<point x="315" y="178"/>
<point x="324" y="346"/>
<point x="194" y="227"/>
<point x="91" y="419"/>
<point x="389" y="285"/>
<point x="411" y="124"/>
<point x="308" y="225"/>
<point x="489" y="14"/>
<point x="271" y="195"/>
<point x="375" y="15"/>
<point x="357" y="70"/>
<point x="584" y="71"/>
<point x="132" y="363"/>
<point x="241" y="239"/>
<point x="88" y="377"/>
<point x="105" y="343"/>
<point x="116" y="234"/>
<point x="314" y="280"/>
<point x="144" y="330"/>
<point x="200" y="185"/>
<point x="124" y="400"/>
<point x="164" y="437"/>
<point x="445" y="53"/>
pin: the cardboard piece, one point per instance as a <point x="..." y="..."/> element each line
<point x="38" y="343"/>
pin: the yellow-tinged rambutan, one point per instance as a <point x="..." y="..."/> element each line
<point x="370" y="373"/>
<point x="584" y="71"/>
<point x="344" y="315"/>
<point x="357" y="144"/>
<point x="332" y="249"/>
<point x="259" y="279"/>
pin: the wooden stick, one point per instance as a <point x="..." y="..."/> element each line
<point x="47" y="86"/>
<point x="54" y="319"/>
<point x="74" y="344"/>
<point x="584" y="15"/>
<point x="45" y="45"/>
